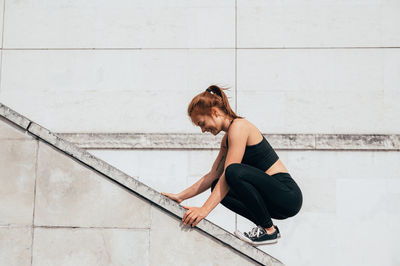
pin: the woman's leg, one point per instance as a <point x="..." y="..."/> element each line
<point x="264" y="196"/>
<point x="232" y="202"/>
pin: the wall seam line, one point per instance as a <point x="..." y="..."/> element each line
<point x="2" y="45"/>
<point x="236" y="85"/>
<point x="205" y="48"/>
<point x="91" y="227"/>
<point x="34" y="198"/>
<point x="2" y="28"/>
<point x="150" y="225"/>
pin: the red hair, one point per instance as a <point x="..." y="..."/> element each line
<point x="213" y="96"/>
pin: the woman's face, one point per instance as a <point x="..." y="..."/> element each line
<point x="207" y="123"/>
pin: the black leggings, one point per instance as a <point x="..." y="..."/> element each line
<point x="258" y="196"/>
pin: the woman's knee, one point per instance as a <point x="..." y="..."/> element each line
<point x="232" y="173"/>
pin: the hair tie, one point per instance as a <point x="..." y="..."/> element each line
<point x="217" y="92"/>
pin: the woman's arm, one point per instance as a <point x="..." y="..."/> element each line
<point x="206" y="181"/>
<point x="219" y="192"/>
<point x="237" y="139"/>
<point x="194" y="215"/>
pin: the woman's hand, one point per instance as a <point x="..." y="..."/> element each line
<point x="193" y="215"/>
<point x="172" y="196"/>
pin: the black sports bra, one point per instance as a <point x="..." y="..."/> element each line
<point x="260" y="155"/>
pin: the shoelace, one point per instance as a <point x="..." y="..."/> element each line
<point x="255" y="232"/>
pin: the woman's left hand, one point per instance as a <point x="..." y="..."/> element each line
<point x="193" y="215"/>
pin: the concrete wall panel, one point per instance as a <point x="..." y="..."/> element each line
<point x="90" y="247"/>
<point x="119" y="24"/>
<point x="314" y="23"/>
<point x="70" y="194"/>
<point x="375" y="198"/>
<point x="15" y="246"/>
<point x="116" y="85"/>
<point x="17" y="181"/>
<point x="381" y="251"/>
<point x="319" y="91"/>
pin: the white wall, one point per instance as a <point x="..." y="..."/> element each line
<point x="294" y="67"/>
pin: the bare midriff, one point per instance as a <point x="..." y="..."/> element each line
<point x="277" y="167"/>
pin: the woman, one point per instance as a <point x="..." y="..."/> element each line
<point x="247" y="177"/>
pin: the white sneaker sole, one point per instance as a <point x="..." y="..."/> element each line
<point x="241" y="236"/>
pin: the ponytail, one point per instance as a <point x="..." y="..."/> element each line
<point x="213" y="96"/>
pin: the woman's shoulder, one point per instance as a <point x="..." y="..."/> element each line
<point x="240" y="124"/>
<point x="243" y="126"/>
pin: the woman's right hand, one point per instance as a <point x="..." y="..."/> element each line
<point x="172" y="196"/>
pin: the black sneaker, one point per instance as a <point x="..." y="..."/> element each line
<point x="258" y="236"/>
